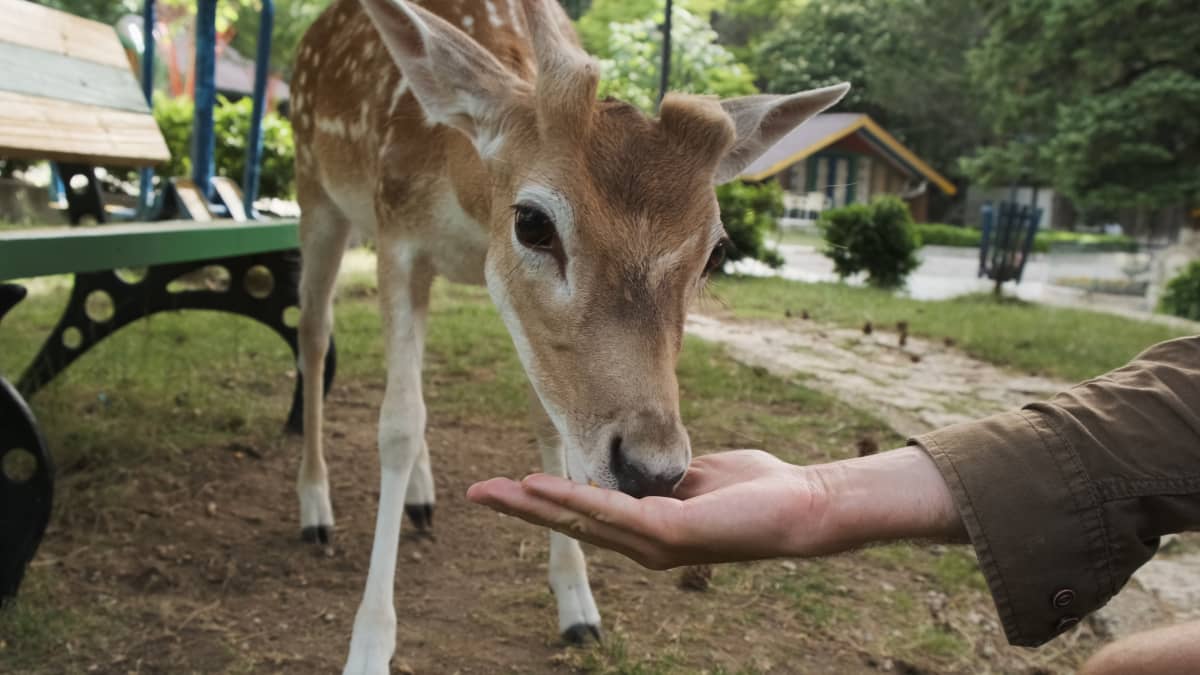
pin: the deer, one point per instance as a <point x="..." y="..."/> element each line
<point x="467" y="139"/>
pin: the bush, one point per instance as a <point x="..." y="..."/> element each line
<point x="878" y="238"/>
<point x="231" y="124"/>
<point x="934" y="234"/>
<point x="937" y="234"/>
<point x="749" y="212"/>
<point x="1182" y="295"/>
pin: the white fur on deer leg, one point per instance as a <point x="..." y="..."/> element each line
<point x="578" y="617"/>
<point x="419" y="500"/>
<point x="374" y="637"/>
<point x="316" y="512"/>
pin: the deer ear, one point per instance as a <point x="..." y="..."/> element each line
<point x="762" y="120"/>
<point x="456" y="81"/>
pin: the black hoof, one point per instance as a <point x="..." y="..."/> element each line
<point x="421" y="516"/>
<point x="317" y="534"/>
<point x="582" y="633"/>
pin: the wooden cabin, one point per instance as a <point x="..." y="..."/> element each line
<point x="837" y="159"/>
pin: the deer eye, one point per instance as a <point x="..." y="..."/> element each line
<point x="534" y="229"/>
<point x="716" y="258"/>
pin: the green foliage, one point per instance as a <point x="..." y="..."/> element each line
<point x="595" y="26"/>
<point x="904" y="58"/>
<point x="698" y="64"/>
<point x="937" y="234"/>
<point x="1083" y="242"/>
<point x="231" y="121"/>
<point x="749" y="212"/>
<point x="878" y="238"/>
<point x="292" y="18"/>
<point x="1182" y="296"/>
<point x="1095" y="98"/>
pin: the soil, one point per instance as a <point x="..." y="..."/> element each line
<point x="206" y="573"/>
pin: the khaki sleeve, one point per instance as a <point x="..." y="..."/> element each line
<point x="1064" y="499"/>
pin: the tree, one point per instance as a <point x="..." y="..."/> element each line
<point x="292" y="19"/>
<point x="595" y="26"/>
<point x="1096" y="98"/>
<point x="906" y="60"/>
<point x="698" y="63"/>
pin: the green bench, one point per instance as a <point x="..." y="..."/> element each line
<point x="80" y="127"/>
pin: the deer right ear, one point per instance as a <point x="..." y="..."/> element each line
<point x="457" y="82"/>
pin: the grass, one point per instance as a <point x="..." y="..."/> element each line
<point x="1066" y="343"/>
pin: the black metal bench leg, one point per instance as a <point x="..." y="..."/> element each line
<point x="26" y="477"/>
<point x="260" y="286"/>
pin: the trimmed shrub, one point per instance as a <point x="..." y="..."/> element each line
<point x="937" y="234"/>
<point x="231" y="124"/>
<point x="878" y="238"/>
<point x="1182" y="295"/>
<point x="750" y="211"/>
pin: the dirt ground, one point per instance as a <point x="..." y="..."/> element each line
<point x="209" y="572"/>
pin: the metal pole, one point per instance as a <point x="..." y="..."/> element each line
<point x="665" y="75"/>
<point x="146" y="175"/>
<point x="205" y="96"/>
<point x="261" y="74"/>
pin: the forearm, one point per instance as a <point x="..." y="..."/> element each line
<point x="885" y="497"/>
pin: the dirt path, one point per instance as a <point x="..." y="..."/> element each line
<point x="924" y="385"/>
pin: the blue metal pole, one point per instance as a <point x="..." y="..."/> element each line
<point x="147" y="173"/>
<point x="262" y="64"/>
<point x="205" y="96"/>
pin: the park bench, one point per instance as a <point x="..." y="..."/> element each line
<point x="68" y="95"/>
<point x="1006" y="241"/>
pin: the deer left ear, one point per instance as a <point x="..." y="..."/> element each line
<point x="763" y="119"/>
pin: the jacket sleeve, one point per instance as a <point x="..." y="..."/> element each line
<point x="1064" y="499"/>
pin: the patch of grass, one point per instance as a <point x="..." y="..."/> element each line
<point x="612" y="657"/>
<point x="1067" y="343"/>
<point x="31" y="626"/>
<point x="938" y="642"/>
<point x="957" y="568"/>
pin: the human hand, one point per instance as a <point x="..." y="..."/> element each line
<point x="742" y="505"/>
<point x="736" y="505"/>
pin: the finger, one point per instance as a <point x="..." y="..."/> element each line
<point x="513" y="499"/>
<point x="643" y="516"/>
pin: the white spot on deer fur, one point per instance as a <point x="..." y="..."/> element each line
<point x="512" y="16"/>
<point x="316" y="59"/>
<point x="331" y="125"/>
<point x="493" y="15"/>
<point x="303" y="77"/>
<point x="468" y="22"/>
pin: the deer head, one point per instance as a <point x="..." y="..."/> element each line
<point x="603" y="224"/>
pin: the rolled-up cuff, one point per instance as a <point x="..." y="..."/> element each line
<point x="1033" y="518"/>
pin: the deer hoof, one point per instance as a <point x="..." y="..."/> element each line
<point x="317" y="534"/>
<point x="582" y="633"/>
<point x="421" y="516"/>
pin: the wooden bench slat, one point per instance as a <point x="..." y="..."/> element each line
<point x="58" y="250"/>
<point x="67" y="78"/>
<point x="41" y="128"/>
<point x="51" y="30"/>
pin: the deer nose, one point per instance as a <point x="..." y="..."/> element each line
<point x="636" y="479"/>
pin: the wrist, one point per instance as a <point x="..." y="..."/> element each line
<point x="891" y="496"/>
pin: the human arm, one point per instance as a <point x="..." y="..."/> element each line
<point x="745" y="505"/>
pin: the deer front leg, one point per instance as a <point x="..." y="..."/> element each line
<point x="404" y="281"/>
<point x="578" y="617"/>
<point x="418" y="502"/>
